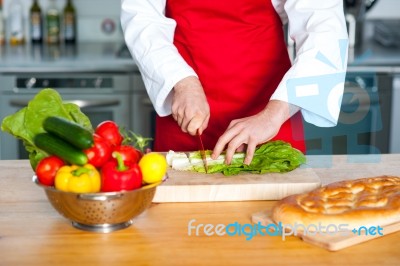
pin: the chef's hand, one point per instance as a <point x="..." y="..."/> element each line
<point x="190" y="108"/>
<point x="253" y="130"/>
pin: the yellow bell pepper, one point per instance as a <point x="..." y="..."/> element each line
<point x="78" y="179"/>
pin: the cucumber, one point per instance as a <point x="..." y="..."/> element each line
<point x="56" y="146"/>
<point x="69" y="131"/>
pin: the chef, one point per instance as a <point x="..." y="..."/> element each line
<point x="221" y="69"/>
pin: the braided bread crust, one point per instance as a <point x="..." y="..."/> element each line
<point x="362" y="202"/>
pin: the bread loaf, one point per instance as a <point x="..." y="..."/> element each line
<point x="362" y="202"/>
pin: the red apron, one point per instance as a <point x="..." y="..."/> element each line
<point x="237" y="49"/>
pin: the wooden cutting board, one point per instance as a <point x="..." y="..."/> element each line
<point x="331" y="242"/>
<point x="185" y="186"/>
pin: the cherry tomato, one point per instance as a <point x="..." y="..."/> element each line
<point x="47" y="168"/>
<point x="100" y="153"/>
<point x="129" y="153"/>
<point x="110" y="131"/>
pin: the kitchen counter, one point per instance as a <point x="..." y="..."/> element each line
<point x="106" y="57"/>
<point x="372" y="56"/>
<point x="33" y="233"/>
<point x="113" y="56"/>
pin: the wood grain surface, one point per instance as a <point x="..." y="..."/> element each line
<point x="33" y="233"/>
<point x="332" y="242"/>
<point x="186" y="186"/>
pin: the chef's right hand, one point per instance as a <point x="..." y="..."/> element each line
<point x="190" y="108"/>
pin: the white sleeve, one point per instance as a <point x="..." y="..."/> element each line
<point x="315" y="82"/>
<point x="149" y="36"/>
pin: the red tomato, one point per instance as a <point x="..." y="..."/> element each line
<point x="110" y="131"/>
<point x="100" y="153"/>
<point x="129" y="153"/>
<point x="47" y="168"/>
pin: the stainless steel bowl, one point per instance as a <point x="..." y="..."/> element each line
<point x="100" y="212"/>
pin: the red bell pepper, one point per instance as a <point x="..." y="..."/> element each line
<point x="100" y="153"/>
<point x="129" y="153"/>
<point x="117" y="175"/>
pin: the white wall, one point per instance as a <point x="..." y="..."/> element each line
<point x="385" y="9"/>
<point x="91" y="14"/>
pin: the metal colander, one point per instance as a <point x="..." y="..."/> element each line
<point x="101" y="212"/>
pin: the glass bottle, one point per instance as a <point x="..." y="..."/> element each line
<point x="36" y="23"/>
<point x="69" y="23"/>
<point x="2" y="30"/>
<point x="53" y="23"/>
<point x="16" y="23"/>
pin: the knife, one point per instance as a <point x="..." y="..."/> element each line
<point x="202" y="152"/>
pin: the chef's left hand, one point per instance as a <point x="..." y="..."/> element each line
<point x="253" y="130"/>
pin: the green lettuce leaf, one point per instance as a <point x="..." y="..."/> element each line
<point x="272" y="157"/>
<point x="27" y="122"/>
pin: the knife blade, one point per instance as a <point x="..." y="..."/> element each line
<point x="202" y="152"/>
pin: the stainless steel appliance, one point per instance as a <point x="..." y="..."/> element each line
<point x="143" y="113"/>
<point x="395" y="119"/>
<point x="364" y="120"/>
<point x="101" y="96"/>
<point x="358" y="7"/>
<point x="355" y="11"/>
<point x="387" y="33"/>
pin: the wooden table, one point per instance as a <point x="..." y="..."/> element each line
<point x="33" y="233"/>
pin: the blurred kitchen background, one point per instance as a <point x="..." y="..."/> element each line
<point x="93" y="16"/>
<point x="96" y="72"/>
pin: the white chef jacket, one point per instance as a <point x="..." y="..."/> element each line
<point x="316" y="27"/>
